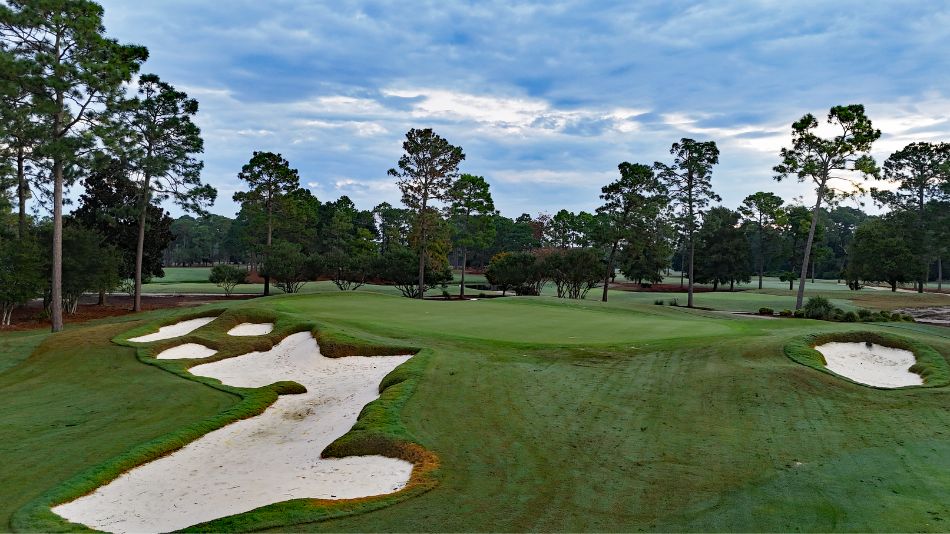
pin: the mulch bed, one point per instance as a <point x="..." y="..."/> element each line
<point x="31" y="316"/>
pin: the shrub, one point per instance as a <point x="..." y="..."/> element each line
<point x="519" y="271"/>
<point x="575" y="271"/>
<point x="658" y="302"/>
<point x="399" y="266"/>
<point x="865" y="313"/>
<point x="227" y="276"/>
<point x="800" y="313"/>
<point x="287" y="265"/>
<point x="908" y="318"/>
<point x="674" y="302"/>
<point x="785" y="313"/>
<point x="849" y="317"/>
<point x="766" y="311"/>
<point x="818" y="307"/>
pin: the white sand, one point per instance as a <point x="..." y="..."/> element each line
<point x="175" y="330"/>
<point x="188" y="350"/>
<point x="270" y="458"/>
<point x="251" y="329"/>
<point x="874" y="365"/>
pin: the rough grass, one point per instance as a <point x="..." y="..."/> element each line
<point x="931" y="366"/>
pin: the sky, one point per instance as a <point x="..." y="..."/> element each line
<point x="545" y="98"/>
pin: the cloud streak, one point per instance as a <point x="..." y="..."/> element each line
<point x="546" y="99"/>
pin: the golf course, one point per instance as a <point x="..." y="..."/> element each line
<point x="524" y="413"/>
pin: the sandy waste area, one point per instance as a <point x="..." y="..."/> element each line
<point x="266" y="459"/>
<point x="251" y="329"/>
<point x="871" y="364"/>
<point x="175" y="330"/>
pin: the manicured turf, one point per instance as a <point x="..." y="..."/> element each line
<point x="79" y="400"/>
<point x="555" y="415"/>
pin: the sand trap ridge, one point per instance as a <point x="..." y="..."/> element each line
<point x="871" y="364"/>
<point x="188" y="350"/>
<point x="258" y="461"/>
<point x="251" y="329"/>
<point x="175" y="330"/>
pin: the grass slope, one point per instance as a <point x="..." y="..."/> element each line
<point x="78" y="401"/>
<point x="581" y="416"/>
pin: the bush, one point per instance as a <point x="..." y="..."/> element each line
<point x="800" y="314"/>
<point x="399" y="266"/>
<point x="908" y="318"/>
<point x="575" y="271"/>
<point x="674" y="302"/>
<point x="658" y="302"/>
<point x="865" y="314"/>
<point x="287" y="265"/>
<point x="818" y="307"/>
<point x="766" y="311"/>
<point x="785" y="313"/>
<point x="518" y="271"/>
<point x="227" y="276"/>
<point x="849" y="317"/>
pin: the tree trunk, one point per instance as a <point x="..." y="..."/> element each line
<point x="761" y="255"/>
<point x="56" y="282"/>
<point x="422" y="249"/>
<point x="692" y="252"/>
<point x="893" y="286"/>
<point x="922" y="237"/>
<point x="799" y="300"/>
<point x="140" y="245"/>
<point x="464" y="261"/>
<point x="270" y="233"/>
<point x="813" y="270"/>
<point x="732" y="285"/>
<point x="102" y="297"/>
<point x="56" y="289"/>
<point x="939" y="274"/>
<point x="21" y="192"/>
<point x="610" y="270"/>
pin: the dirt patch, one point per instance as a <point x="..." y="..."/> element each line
<point x="936" y="315"/>
<point x="31" y="316"/>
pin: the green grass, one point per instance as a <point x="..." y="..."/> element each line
<point x="545" y="415"/>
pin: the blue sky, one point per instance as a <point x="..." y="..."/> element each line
<point x="545" y="98"/>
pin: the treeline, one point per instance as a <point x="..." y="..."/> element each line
<point x="68" y="116"/>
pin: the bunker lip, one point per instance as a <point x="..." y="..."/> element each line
<point x="270" y="458"/>
<point x="871" y="364"/>
<point x="174" y="330"/>
<point x="188" y="350"/>
<point x="251" y="329"/>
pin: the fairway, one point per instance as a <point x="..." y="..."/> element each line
<point x="617" y="416"/>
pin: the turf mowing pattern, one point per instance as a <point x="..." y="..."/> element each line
<point x="543" y="414"/>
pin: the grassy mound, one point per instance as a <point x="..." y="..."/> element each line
<point x="931" y="366"/>
<point x="379" y="429"/>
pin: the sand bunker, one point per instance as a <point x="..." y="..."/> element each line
<point x="188" y="350"/>
<point x="871" y="364"/>
<point x="175" y="330"/>
<point x="251" y="329"/>
<point x="262" y="460"/>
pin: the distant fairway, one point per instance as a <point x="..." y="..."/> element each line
<point x="547" y="415"/>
